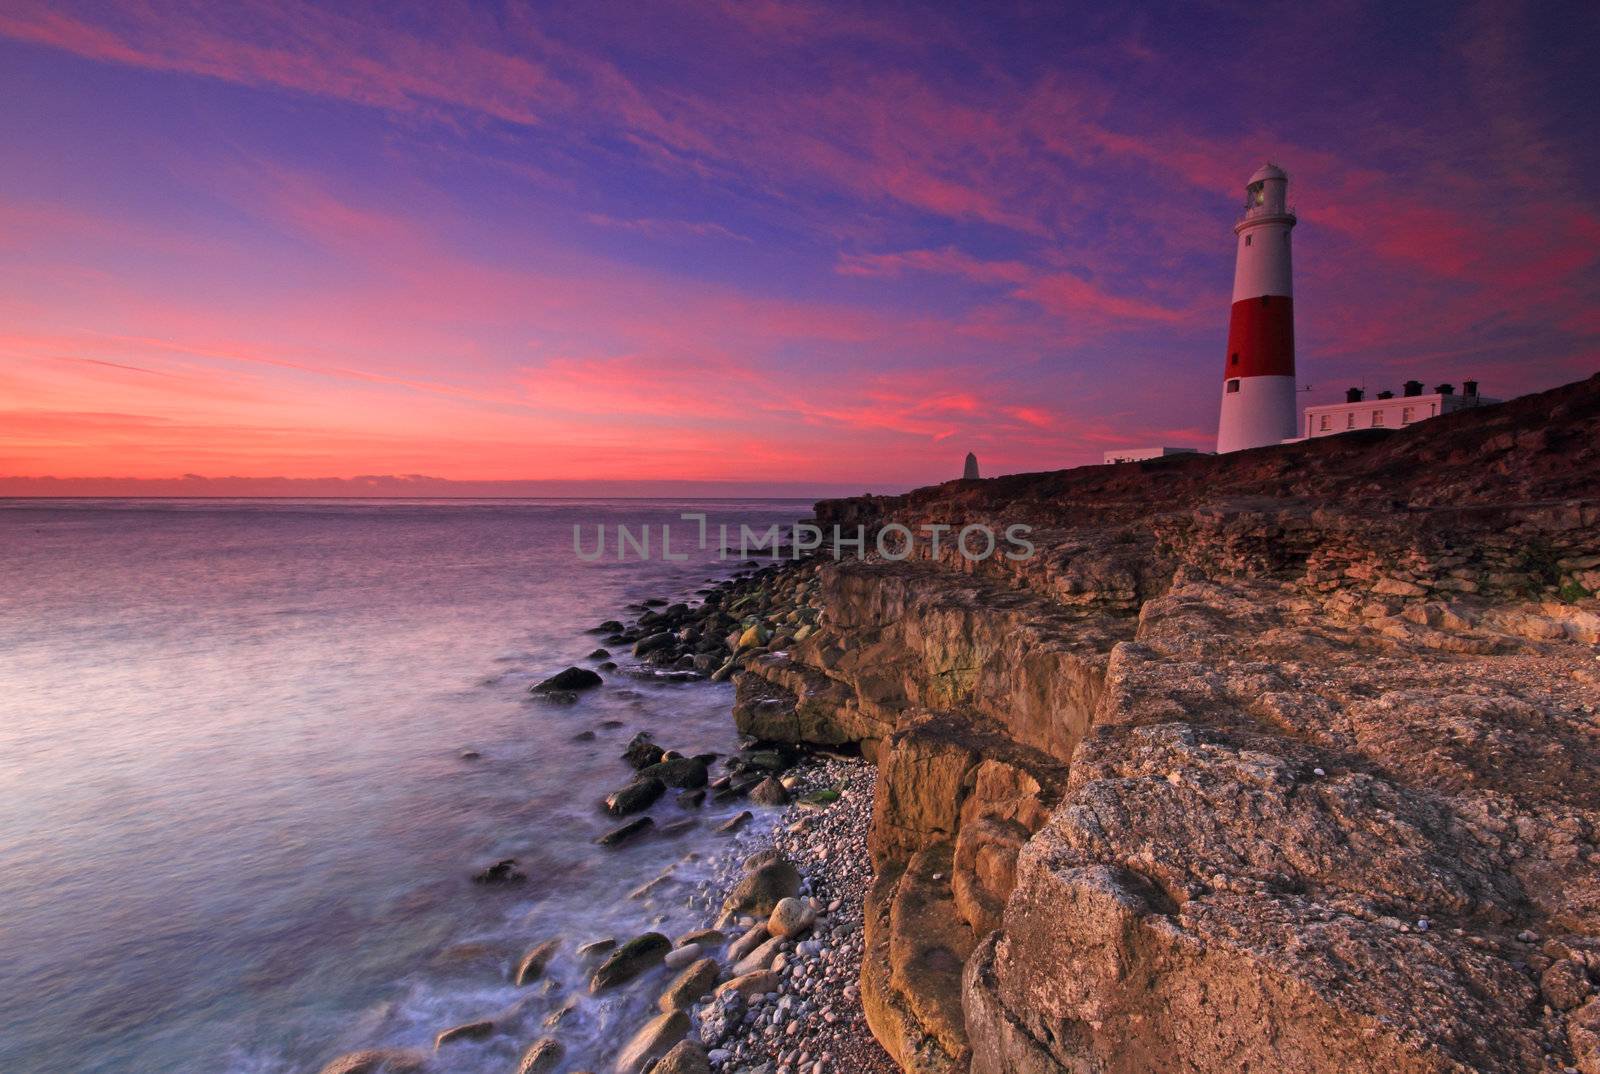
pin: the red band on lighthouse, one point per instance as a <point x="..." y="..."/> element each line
<point x="1261" y="337"/>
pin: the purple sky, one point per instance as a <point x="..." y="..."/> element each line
<point x="761" y="242"/>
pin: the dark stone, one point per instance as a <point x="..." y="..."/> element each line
<point x="607" y="665"/>
<point x="734" y="823"/>
<point x="641" y="752"/>
<point x="640" y="794"/>
<point x="654" y="602"/>
<point x="628" y="961"/>
<point x="685" y="772"/>
<point x="692" y="799"/>
<point x="610" y="626"/>
<point x="678" y="827"/>
<point x="598" y="654"/>
<point x="621" y="834"/>
<point x="501" y="872"/>
<point x="583" y="736"/>
<point x="646" y="646"/>
<point x="573" y="678"/>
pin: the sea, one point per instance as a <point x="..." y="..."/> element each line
<point x="239" y="811"/>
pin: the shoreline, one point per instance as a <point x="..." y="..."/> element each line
<point x="742" y="992"/>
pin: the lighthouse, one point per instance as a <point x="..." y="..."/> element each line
<point x="1258" y="392"/>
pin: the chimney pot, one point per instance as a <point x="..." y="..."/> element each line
<point x="1354" y="395"/>
<point x="1412" y="387"/>
<point x="1446" y="389"/>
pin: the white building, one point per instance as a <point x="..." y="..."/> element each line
<point x="1139" y="454"/>
<point x="1388" y="411"/>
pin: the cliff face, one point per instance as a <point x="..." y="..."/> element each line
<point x="1283" y="760"/>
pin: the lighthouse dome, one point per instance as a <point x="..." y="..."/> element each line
<point x="1268" y="171"/>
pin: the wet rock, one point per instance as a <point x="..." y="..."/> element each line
<point x="681" y="956"/>
<point x="531" y="966"/>
<point x="769" y="792"/>
<point x="679" y="827"/>
<point x="503" y="871"/>
<point x="466" y="1031"/>
<point x="683" y="772"/>
<point x="692" y="799"/>
<point x="734" y="823"/>
<point x="647" y="645"/>
<point x="641" y="752"/>
<point x="573" y="678"/>
<point x="595" y="948"/>
<point x="753" y="938"/>
<point x="695" y="981"/>
<point x="583" y="736"/>
<point x="610" y="626"/>
<point x="377" y="1061"/>
<point x="599" y="654"/>
<point x="542" y="1057"/>
<point x="640" y="794"/>
<point x="625" y="832"/>
<point x="706" y="938"/>
<point x="686" y="1057"/>
<point x="655" y="1039"/>
<point x="628" y="961"/>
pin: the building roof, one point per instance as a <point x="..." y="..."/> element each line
<point x="1268" y="171"/>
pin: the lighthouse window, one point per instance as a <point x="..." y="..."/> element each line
<point x="1235" y="358"/>
<point x="1233" y="385"/>
<point x="1247" y="239"/>
<point x="1377" y="418"/>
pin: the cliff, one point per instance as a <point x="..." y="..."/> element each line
<point x="1283" y="760"/>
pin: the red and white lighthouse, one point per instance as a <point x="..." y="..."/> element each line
<point x="1258" y="392"/>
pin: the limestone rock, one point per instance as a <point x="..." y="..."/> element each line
<point x="542" y="1057"/>
<point x="654" y="1039"/>
<point x="695" y="981"/>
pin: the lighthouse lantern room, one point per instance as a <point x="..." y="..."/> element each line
<point x="1258" y="388"/>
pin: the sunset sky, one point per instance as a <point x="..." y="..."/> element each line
<point x="756" y="241"/>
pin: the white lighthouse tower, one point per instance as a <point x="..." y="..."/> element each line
<point x="1258" y="392"/>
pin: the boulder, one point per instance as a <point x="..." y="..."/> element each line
<point x="759" y="959"/>
<point x="542" y="1057"/>
<point x="686" y="1057"/>
<point x="695" y="981"/>
<point x="790" y="918"/>
<point x="754" y="938"/>
<point x="466" y="1031"/>
<point x="573" y="678"/>
<point x="749" y="985"/>
<point x="655" y="1039"/>
<point x="376" y="1061"/>
<point x="625" y="832"/>
<point x="629" y="961"/>
<point x="769" y="792"/>
<point x="763" y="888"/>
<point x="641" y="752"/>
<point x="640" y="794"/>
<point x="682" y="772"/>
<point x="531" y="967"/>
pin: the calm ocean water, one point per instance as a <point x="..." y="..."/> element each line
<point x="235" y="828"/>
